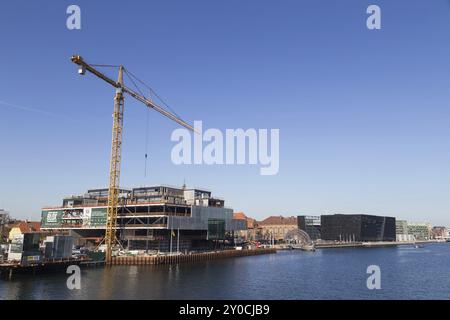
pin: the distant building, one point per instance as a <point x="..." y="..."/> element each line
<point x="357" y="227"/>
<point x="23" y="227"/>
<point x="439" y="232"/>
<point x="24" y="248"/>
<point x="252" y="227"/>
<point x="402" y="233"/>
<point x="4" y="216"/>
<point x="311" y="225"/>
<point x="401" y="227"/>
<point x="4" y="220"/>
<point x="276" y="227"/>
<point x="420" y="231"/>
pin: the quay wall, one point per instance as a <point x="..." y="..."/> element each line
<point x="182" y="258"/>
<point x="373" y="244"/>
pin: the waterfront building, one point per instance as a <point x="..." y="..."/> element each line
<point x="357" y="228"/>
<point x="401" y="227"/>
<point x="311" y="225"/>
<point x="23" y="227"/>
<point x="402" y="233"/>
<point x="420" y="231"/>
<point x="24" y="248"/>
<point x="276" y="227"/>
<point x="439" y="232"/>
<point x="250" y="234"/>
<point x="160" y="218"/>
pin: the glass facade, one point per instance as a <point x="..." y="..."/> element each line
<point x="216" y="229"/>
<point x="358" y="227"/>
<point x="311" y="225"/>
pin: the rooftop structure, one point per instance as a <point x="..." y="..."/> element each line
<point x="155" y="194"/>
<point x="28" y="226"/>
<point x="278" y="220"/>
<point x="23" y="227"/>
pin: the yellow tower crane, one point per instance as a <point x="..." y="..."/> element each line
<point x="116" y="145"/>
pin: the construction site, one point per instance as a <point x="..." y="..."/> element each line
<point x="157" y="219"/>
<point x="139" y="222"/>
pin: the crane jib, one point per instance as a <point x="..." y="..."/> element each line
<point x="79" y="61"/>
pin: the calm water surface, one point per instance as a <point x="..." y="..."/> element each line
<point x="406" y="273"/>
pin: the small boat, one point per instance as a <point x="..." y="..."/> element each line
<point x="308" y="247"/>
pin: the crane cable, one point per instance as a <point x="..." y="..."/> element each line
<point x="133" y="79"/>
<point x="132" y="76"/>
<point x="129" y="73"/>
<point x="147" y="121"/>
<point x="146" y="141"/>
<point x="134" y="83"/>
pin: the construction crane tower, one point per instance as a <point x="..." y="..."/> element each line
<point x="116" y="144"/>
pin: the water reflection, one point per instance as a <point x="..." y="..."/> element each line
<point x="325" y="274"/>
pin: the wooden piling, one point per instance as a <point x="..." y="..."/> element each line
<point x="193" y="257"/>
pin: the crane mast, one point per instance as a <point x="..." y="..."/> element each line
<point x="116" y="144"/>
<point x="114" y="171"/>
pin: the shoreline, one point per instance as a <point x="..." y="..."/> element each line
<point x="365" y="244"/>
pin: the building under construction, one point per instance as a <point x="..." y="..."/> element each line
<point x="158" y="218"/>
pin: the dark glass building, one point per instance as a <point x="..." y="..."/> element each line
<point x="357" y="227"/>
<point x="311" y="225"/>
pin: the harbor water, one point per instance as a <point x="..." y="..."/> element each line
<point x="407" y="272"/>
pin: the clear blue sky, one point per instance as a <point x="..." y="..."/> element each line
<point x="364" y="116"/>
